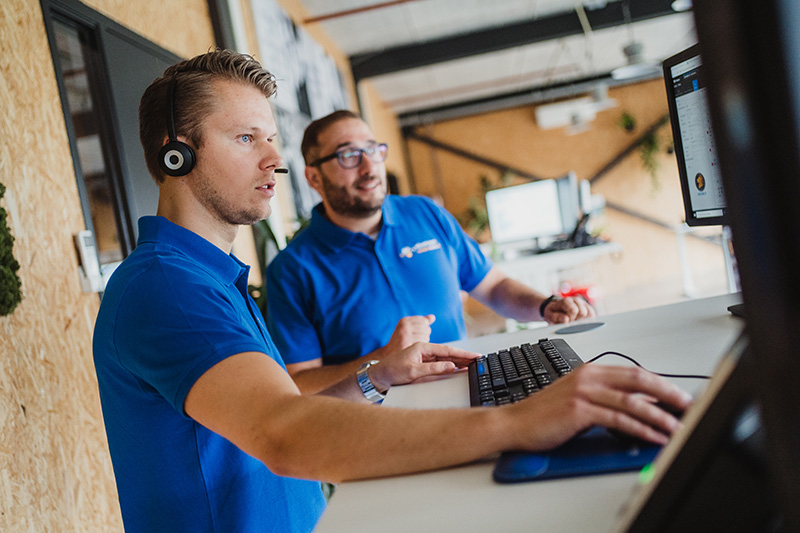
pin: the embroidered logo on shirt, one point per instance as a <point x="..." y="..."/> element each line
<point x="420" y="248"/>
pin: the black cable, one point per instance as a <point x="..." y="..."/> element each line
<point x="632" y="360"/>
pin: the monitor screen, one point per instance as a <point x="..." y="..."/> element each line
<point x="569" y="200"/>
<point x="701" y="182"/>
<point x="524" y="212"/>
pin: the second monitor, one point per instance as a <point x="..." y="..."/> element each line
<point x="534" y="213"/>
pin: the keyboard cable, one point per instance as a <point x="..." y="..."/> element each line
<point x="632" y="360"/>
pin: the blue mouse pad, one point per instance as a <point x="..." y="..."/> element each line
<point x="595" y="452"/>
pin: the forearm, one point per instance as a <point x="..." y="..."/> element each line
<point x="252" y="402"/>
<point x="327" y="379"/>
<point x="420" y="360"/>
<point x="366" y="441"/>
<point x="513" y="299"/>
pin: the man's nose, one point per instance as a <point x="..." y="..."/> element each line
<point x="367" y="164"/>
<point x="271" y="157"/>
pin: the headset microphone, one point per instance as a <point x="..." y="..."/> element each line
<point x="175" y="158"/>
<point x="281" y="170"/>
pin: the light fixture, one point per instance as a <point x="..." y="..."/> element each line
<point x="636" y="66"/>
<point x="574" y="114"/>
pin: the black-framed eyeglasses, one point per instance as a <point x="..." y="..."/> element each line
<point x="352" y="157"/>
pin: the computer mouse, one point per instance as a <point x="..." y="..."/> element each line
<point x="671" y="409"/>
<point x="630" y="439"/>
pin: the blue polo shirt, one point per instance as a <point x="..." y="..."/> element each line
<point x="173" y="309"/>
<point x="337" y="295"/>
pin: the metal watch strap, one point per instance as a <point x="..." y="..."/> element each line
<point x="369" y="390"/>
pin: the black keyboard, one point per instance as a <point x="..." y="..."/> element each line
<point x="515" y="373"/>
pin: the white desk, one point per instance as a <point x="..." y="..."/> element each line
<point x="543" y="271"/>
<point x="689" y="337"/>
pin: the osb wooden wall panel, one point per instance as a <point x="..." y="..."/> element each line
<point x="386" y="128"/>
<point x="512" y="137"/>
<point x="55" y="473"/>
<point x="181" y="26"/>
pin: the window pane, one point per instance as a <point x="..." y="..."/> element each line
<point x="89" y="140"/>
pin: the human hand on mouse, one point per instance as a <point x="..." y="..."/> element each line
<point x="619" y="398"/>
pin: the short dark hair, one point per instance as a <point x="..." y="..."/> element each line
<point x="310" y="145"/>
<point x="195" y="98"/>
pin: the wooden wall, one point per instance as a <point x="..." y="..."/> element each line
<point x="648" y="271"/>
<point x="386" y="128"/>
<point x="55" y="472"/>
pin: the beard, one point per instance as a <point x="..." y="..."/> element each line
<point x="224" y="210"/>
<point x="344" y="203"/>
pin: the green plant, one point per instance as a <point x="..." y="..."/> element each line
<point x="10" y="285"/>
<point x="475" y="219"/>
<point x="648" y="150"/>
<point x="627" y="122"/>
<point x="648" y="146"/>
<point x="266" y="248"/>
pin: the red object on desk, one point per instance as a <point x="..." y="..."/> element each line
<point x="588" y="292"/>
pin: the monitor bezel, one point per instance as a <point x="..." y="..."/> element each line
<point x="689" y="213"/>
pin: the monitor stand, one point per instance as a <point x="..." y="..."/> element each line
<point x="731" y="270"/>
<point x="737" y="310"/>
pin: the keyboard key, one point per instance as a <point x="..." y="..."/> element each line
<point x="512" y="374"/>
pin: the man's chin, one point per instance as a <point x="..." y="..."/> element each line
<point x="254" y="218"/>
<point x="360" y="211"/>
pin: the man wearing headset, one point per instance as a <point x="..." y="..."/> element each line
<point x="374" y="273"/>
<point x="206" y="429"/>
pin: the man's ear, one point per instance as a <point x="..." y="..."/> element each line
<point x="313" y="179"/>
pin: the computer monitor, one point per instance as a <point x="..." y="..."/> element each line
<point x="751" y="52"/>
<point x="544" y="209"/>
<point x="712" y="474"/>
<point x="524" y="212"/>
<point x="695" y="150"/>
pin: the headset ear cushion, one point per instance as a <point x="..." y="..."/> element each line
<point x="176" y="158"/>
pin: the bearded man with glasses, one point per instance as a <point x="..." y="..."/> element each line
<point x="375" y="273"/>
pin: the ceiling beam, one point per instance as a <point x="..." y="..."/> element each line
<point x="355" y="11"/>
<point x="369" y="64"/>
<point x="530" y="95"/>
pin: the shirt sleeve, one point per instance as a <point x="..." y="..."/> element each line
<point x="473" y="265"/>
<point x="289" y="312"/>
<point x="170" y="333"/>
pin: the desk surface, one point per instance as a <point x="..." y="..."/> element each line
<point x="559" y="258"/>
<point x="688" y="337"/>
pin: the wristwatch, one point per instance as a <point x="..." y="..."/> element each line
<point x="545" y="303"/>
<point x="369" y="390"/>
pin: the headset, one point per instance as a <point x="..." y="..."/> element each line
<point x="175" y="158"/>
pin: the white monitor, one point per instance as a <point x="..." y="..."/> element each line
<point x="525" y="212"/>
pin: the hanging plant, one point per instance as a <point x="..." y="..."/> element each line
<point x="648" y="146"/>
<point x="648" y="150"/>
<point x="10" y="285"/>
<point x="627" y="122"/>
